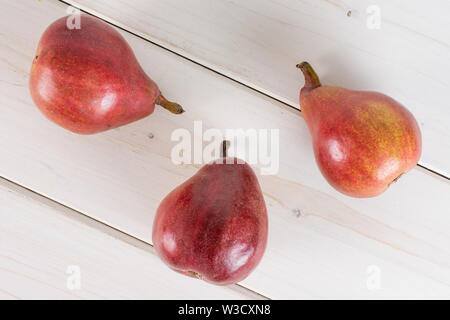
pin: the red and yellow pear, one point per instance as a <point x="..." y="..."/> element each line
<point x="363" y="141"/>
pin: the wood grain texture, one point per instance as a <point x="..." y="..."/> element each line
<point x="321" y="243"/>
<point x="259" y="42"/>
<point x="40" y="241"/>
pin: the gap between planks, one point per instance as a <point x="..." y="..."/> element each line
<point x="107" y="229"/>
<point x="242" y="83"/>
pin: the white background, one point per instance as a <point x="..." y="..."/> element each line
<point x="89" y="201"/>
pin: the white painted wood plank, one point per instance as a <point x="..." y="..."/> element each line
<point x="7" y="296"/>
<point x="120" y="176"/>
<point x="40" y="241"/>
<point x="259" y="42"/>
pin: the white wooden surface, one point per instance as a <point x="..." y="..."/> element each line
<point x="41" y="241"/>
<point x="259" y="42"/>
<point x="120" y="176"/>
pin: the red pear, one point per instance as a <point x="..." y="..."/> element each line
<point x="363" y="141"/>
<point x="88" y="80"/>
<point x="214" y="225"/>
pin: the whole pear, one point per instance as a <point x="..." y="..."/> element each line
<point x="363" y="141"/>
<point x="214" y="225"/>
<point x="87" y="79"/>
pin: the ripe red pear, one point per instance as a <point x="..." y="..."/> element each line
<point x="214" y="225"/>
<point x="88" y="80"/>
<point x="363" y="141"/>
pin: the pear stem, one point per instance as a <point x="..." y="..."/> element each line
<point x="311" y="79"/>
<point x="225" y="145"/>
<point x="195" y="274"/>
<point x="168" y="105"/>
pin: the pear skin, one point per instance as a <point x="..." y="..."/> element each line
<point x="363" y="141"/>
<point x="213" y="226"/>
<point x="88" y="79"/>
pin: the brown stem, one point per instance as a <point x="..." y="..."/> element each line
<point x="311" y="79"/>
<point x="396" y="179"/>
<point x="195" y="274"/>
<point x="171" y="106"/>
<point x="225" y="145"/>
